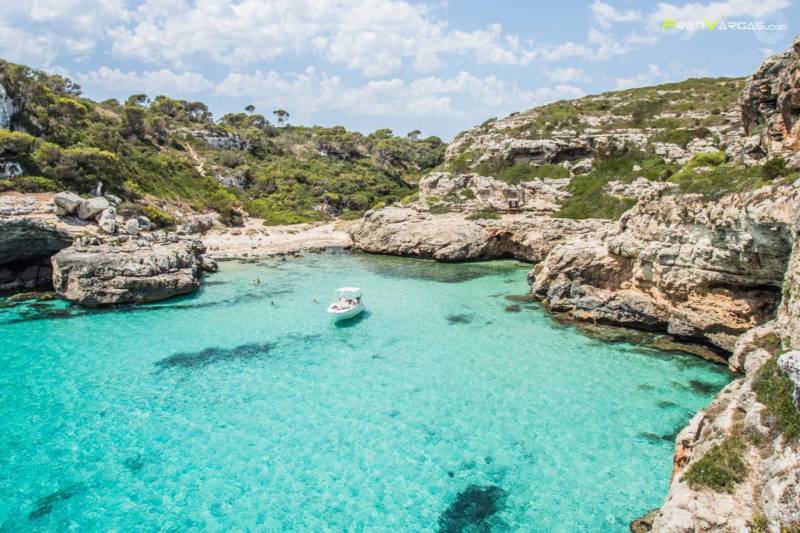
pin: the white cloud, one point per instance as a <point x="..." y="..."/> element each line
<point x="154" y="82"/>
<point x="309" y="92"/>
<point x="568" y="74"/>
<point x="606" y="14"/>
<point x="654" y="75"/>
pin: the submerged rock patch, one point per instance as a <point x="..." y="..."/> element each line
<point x="458" y="319"/>
<point x="472" y="509"/>
<point x="513" y="308"/>
<point x="203" y="358"/>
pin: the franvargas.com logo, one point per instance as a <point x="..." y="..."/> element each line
<point x="772" y="29"/>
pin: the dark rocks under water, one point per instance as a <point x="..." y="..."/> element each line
<point x="433" y="271"/>
<point x="44" y="506"/>
<point x="203" y="358"/>
<point x="458" y="319"/>
<point x="514" y="308"/>
<point x="472" y="509"/>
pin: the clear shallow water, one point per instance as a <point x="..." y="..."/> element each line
<point x="243" y="408"/>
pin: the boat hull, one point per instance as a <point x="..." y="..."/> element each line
<point x="344" y="314"/>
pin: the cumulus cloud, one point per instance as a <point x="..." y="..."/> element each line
<point x="568" y="74"/>
<point x="310" y="91"/>
<point x="153" y="82"/>
<point x="655" y="74"/>
<point x="606" y="14"/>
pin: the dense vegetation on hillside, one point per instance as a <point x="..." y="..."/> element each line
<point x="163" y="151"/>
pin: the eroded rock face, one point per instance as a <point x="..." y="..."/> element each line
<point x="106" y="275"/>
<point x="707" y="271"/>
<point x="25" y="239"/>
<point x="7" y="109"/>
<point x="451" y="237"/>
<point x="771" y="99"/>
<point x="25" y="249"/>
<point x="464" y="192"/>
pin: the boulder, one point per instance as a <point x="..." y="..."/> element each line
<point x="66" y="203"/>
<point x="144" y="223"/>
<point x="89" y="209"/>
<point x="106" y="275"/>
<point x="107" y="220"/>
<point x="199" y="224"/>
<point x="132" y="226"/>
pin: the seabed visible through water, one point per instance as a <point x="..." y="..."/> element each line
<point x="446" y="406"/>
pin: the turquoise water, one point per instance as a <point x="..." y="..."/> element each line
<point x="242" y="408"/>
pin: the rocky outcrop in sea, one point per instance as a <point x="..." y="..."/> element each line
<point x="94" y="276"/>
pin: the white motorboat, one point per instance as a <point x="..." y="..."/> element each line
<point x="348" y="304"/>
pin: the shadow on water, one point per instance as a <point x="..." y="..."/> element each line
<point x="57" y="310"/>
<point x="351" y="322"/>
<point x="473" y="510"/>
<point x="203" y="358"/>
<point x="44" y="506"/>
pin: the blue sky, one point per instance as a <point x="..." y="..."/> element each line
<point x="440" y="67"/>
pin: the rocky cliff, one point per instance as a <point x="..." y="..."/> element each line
<point x="706" y="271"/>
<point x="770" y="104"/>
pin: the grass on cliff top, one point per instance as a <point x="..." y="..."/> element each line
<point x="721" y="468"/>
<point x="773" y="388"/>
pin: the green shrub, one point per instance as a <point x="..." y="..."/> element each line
<point x="467" y="194"/>
<point x="485" y="213"/>
<point x="774" y="168"/>
<point x="34" y="184"/>
<point x="522" y="172"/>
<point x="159" y="217"/>
<point x="439" y="209"/>
<point x="721" y="468"/>
<point x="682" y="137"/>
<point x="351" y="215"/>
<point x="14" y="143"/>
<point x="6" y="185"/>
<point x="773" y="388"/>
<point x="410" y="199"/>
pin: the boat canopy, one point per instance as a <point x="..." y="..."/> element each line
<point x="355" y="291"/>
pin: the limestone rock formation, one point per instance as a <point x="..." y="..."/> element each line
<point x="706" y="271"/>
<point x="7" y="109"/>
<point x="104" y="275"/>
<point x="89" y="209"/>
<point x="451" y="237"/>
<point x="25" y="248"/>
<point x="771" y="99"/>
